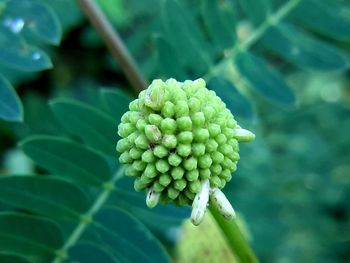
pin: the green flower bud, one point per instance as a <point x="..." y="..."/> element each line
<point x="180" y="142"/>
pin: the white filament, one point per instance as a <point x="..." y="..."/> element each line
<point x="199" y="205"/>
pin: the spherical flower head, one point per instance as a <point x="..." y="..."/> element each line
<point x="180" y="142"/>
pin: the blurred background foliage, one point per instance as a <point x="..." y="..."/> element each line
<point x="281" y="66"/>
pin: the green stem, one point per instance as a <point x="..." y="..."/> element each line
<point x="234" y="237"/>
<point x="87" y="218"/>
<point x="114" y="44"/>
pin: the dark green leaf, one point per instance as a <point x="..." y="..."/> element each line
<point x="68" y="159"/>
<point x="265" y="79"/>
<point x="8" y="258"/>
<point x="303" y="50"/>
<point x="235" y="101"/>
<point x="256" y="10"/>
<point x="15" y="53"/>
<point x="45" y="195"/>
<point x="135" y="243"/>
<point x="169" y="62"/>
<point x="10" y="104"/>
<point x="116" y="101"/>
<point x="183" y="32"/>
<point x="159" y="219"/>
<point x="93" y="126"/>
<point x="33" y="237"/>
<point x="92" y="252"/>
<point x="327" y="17"/>
<point x="220" y="30"/>
<point x="35" y="17"/>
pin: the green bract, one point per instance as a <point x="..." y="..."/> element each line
<point x="177" y="136"/>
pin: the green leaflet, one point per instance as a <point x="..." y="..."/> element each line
<point x="9" y="258"/>
<point x="30" y="236"/>
<point x="116" y="102"/>
<point x="265" y="79"/>
<point x="235" y="101"/>
<point x="93" y="126"/>
<point x="67" y="159"/>
<point x="37" y="18"/>
<point x="303" y="50"/>
<point x="10" y="104"/>
<point x="45" y="195"/>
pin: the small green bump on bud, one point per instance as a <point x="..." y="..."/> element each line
<point x="194" y="104"/>
<point x="125" y="117"/>
<point x="192" y="175"/>
<point x="132" y="137"/>
<point x="189" y="194"/>
<point x="201" y="135"/>
<point x="134" y="117"/>
<point x="155" y="119"/>
<point x="123" y="145"/>
<point x="215" y="181"/>
<point x="184" y="123"/>
<point x="139" y="165"/>
<point x="183" y="150"/>
<point x="168" y="110"/>
<point x="141" y="124"/>
<point x="134" y="105"/>
<point x="165" y="180"/>
<point x="221" y="121"/>
<point x="139" y="185"/>
<point x="124" y="129"/>
<point x="185" y="137"/>
<point x="173" y="193"/>
<point x="181" y="108"/>
<point x="234" y="156"/>
<point x="216" y="169"/>
<point x="204" y="173"/>
<point x="177" y="172"/>
<point x="217" y="157"/>
<point x="231" y="123"/>
<point x="226" y="174"/>
<point x="135" y="153"/>
<point x="153" y="133"/>
<point x="243" y="135"/>
<point x="146" y="180"/>
<point x="198" y="119"/>
<point x="168" y="126"/>
<point x="160" y="151"/>
<point x="178" y="95"/>
<point x="211" y="146"/>
<point x="150" y="171"/>
<point x="221" y="139"/>
<point x="209" y="112"/>
<point x="182" y="200"/>
<point x="214" y="129"/>
<point x="148" y="156"/>
<point x="142" y="142"/>
<point x="229" y="133"/>
<point x="152" y="198"/>
<point x="226" y="149"/>
<point x="204" y="161"/>
<point x="131" y="171"/>
<point x="156" y="95"/>
<point x="190" y="164"/>
<point x="125" y="158"/>
<point x="180" y="184"/>
<point x="169" y="141"/>
<point x="162" y="166"/>
<point x="234" y="143"/>
<point x="189" y="88"/>
<point x="194" y="186"/>
<point x="157" y="187"/>
<point x="198" y="149"/>
<point x="174" y="159"/>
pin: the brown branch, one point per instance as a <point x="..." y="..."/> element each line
<point x="114" y="43"/>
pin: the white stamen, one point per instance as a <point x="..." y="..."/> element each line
<point x="152" y="198"/>
<point x="219" y="200"/>
<point x="199" y="205"/>
<point x="243" y="135"/>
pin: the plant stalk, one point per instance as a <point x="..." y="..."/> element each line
<point x="114" y="44"/>
<point x="234" y="237"/>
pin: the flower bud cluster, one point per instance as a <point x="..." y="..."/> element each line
<point x="177" y="135"/>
